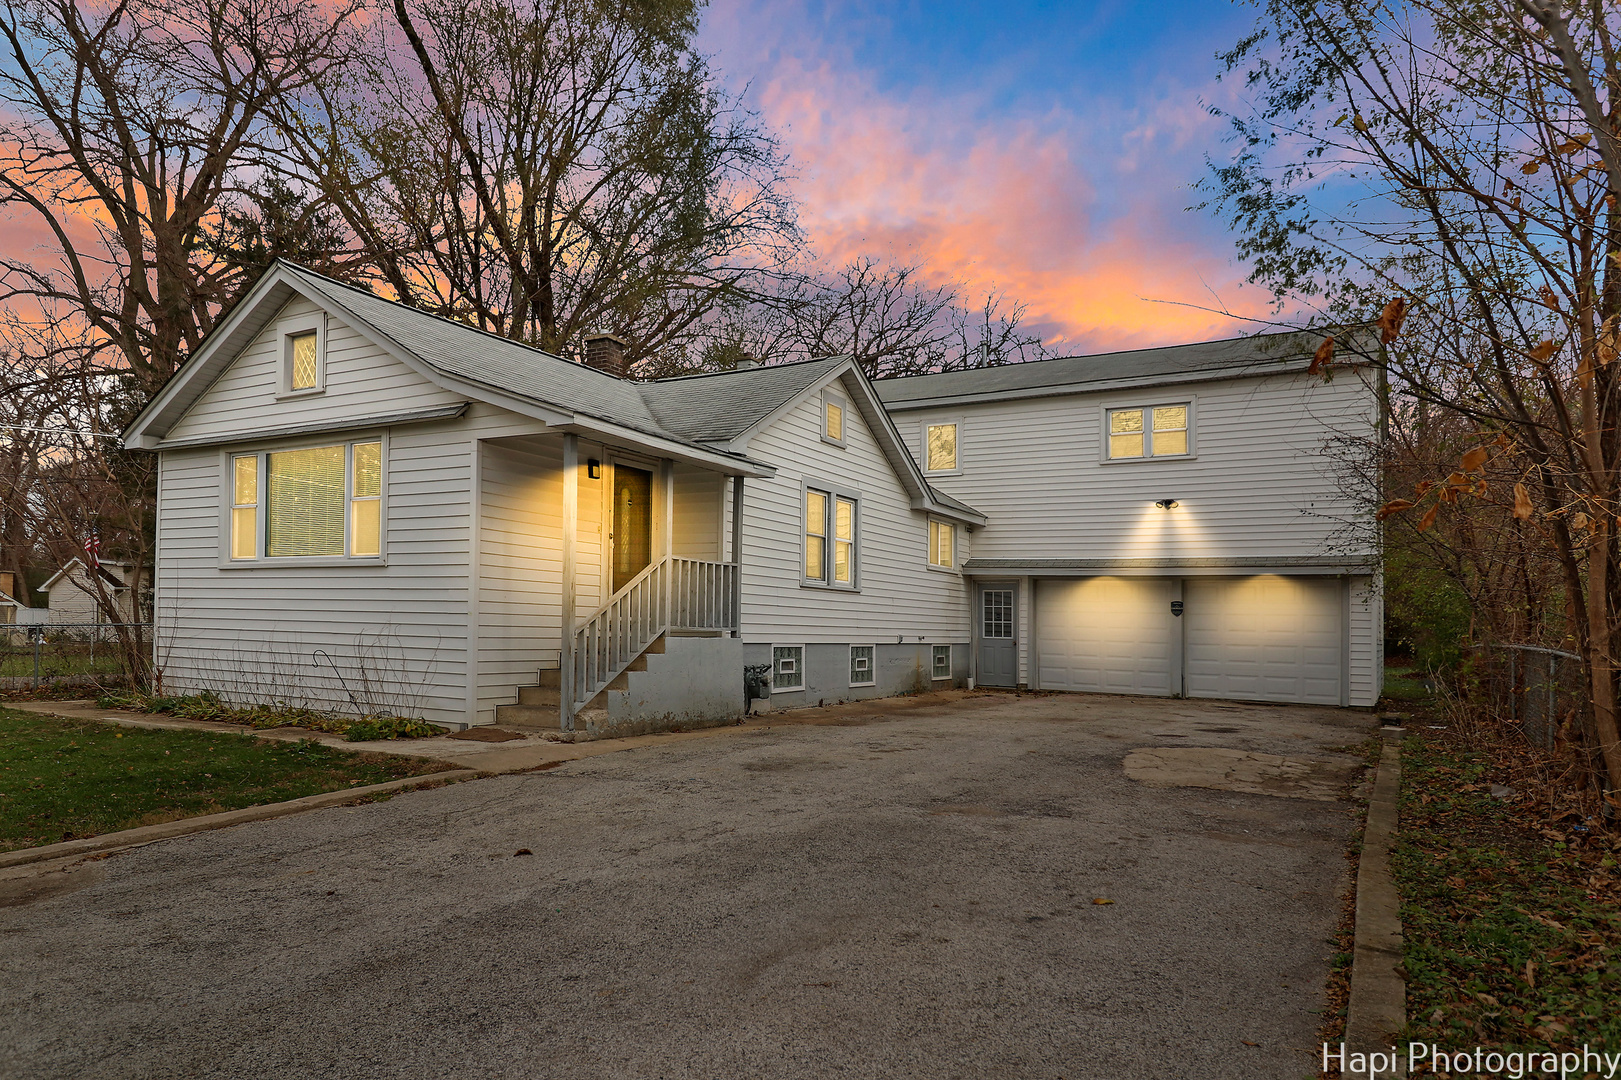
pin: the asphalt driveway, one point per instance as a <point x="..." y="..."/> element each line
<point x="859" y="893"/>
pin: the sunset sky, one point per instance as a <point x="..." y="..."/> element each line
<point x="1045" y="149"/>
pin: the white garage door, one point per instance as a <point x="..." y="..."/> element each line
<point x="1263" y="639"/>
<point x="1105" y="634"/>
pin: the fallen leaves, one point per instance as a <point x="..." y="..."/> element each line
<point x="1101" y="900"/>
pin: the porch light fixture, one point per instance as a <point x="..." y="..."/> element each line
<point x="593" y="468"/>
<point x="1165" y="504"/>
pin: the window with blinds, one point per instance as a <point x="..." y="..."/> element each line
<point x="322" y="501"/>
<point x="942" y="541"/>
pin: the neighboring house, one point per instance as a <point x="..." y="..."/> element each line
<point x="364" y="507"/>
<point x="1169" y="521"/>
<point x="367" y="508"/>
<point x="73" y="594"/>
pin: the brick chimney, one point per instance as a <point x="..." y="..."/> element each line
<point x="606" y="352"/>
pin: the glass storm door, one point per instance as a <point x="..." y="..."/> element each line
<point x="632" y="523"/>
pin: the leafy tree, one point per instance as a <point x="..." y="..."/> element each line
<point x="1455" y="168"/>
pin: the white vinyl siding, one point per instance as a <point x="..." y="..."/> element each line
<point x="899" y="595"/>
<point x="397" y="632"/>
<point x="359" y="380"/>
<point x="1266" y="481"/>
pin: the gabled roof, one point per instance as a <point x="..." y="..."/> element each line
<point x="712" y="414"/>
<point x="1231" y="358"/>
<point x="721" y="406"/>
<point x="102" y="572"/>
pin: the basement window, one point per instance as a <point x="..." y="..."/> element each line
<point x="861" y="670"/>
<point x="942" y="662"/>
<point x="787" y="667"/>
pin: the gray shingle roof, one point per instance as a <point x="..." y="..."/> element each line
<point x="697" y="408"/>
<point x="721" y="406"/>
<point x="1218" y="359"/>
<point x="469" y="353"/>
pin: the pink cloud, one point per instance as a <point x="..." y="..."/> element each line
<point x="1079" y="218"/>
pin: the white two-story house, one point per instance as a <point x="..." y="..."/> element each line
<point x="1176" y="521"/>
<point x="365" y="508"/>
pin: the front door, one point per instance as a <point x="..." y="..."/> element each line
<point x="632" y="523"/>
<point x="998" y="648"/>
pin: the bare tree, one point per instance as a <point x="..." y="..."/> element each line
<point x="1456" y="168"/>
<point x="886" y="316"/>
<point x="123" y="126"/>
<point x="544" y="168"/>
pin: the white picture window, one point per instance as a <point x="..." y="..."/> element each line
<point x="861" y="669"/>
<point x="831" y="523"/>
<point x="787" y="667"/>
<point x="940" y="447"/>
<point x="942" y="662"/>
<point x="833" y="409"/>
<point x="313" y="502"/>
<point x="1149" y="432"/>
<point x="942" y="544"/>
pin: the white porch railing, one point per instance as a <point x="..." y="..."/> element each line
<point x="671" y="594"/>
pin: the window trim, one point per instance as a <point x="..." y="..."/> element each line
<point x="834" y="493"/>
<point x="955" y="566"/>
<point x="1192" y="404"/>
<point x="923" y="445"/>
<point x="288" y="329"/>
<point x="775" y="689"/>
<point x="951" y="660"/>
<point x="833" y="397"/>
<point x="227" y="465"/>
<point x="872" y="665"/>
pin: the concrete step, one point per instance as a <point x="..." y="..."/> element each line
<point x="539" y="695"/>
<point x="528" y="716"/>
<point x="549" y="679"/>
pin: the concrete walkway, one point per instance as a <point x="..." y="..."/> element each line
<point x="907" y="891"/>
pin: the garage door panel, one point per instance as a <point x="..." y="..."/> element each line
<point x="1264" y="639"/>
<point x="1106" y="635"/>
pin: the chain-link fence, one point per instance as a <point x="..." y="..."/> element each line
<point x="1533" y="688"/>
<point x="70" y="654"/>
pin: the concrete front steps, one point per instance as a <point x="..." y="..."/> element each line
<point x="680" y="681"/>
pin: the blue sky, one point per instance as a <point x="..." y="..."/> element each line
<point x="1046" y="150"/>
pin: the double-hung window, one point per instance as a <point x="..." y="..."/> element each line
<point x="1150" y="432"/>
<point x="831" y="520"/>
<point x="312" y="502"/>
<point x="942" y="544"/>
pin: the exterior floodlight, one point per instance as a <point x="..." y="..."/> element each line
<point x="1165" y="504"/>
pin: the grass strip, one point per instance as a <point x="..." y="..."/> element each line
<point x="64" y="779"/>
<point x="1511" y="918"/>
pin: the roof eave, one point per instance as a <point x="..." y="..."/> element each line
<point x="1279" y="367"/>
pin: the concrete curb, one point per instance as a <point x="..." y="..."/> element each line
<point x="1377" y="1010"/>
<point x="148" y="833"/>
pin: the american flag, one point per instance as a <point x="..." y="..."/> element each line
<point x="92" y="550"/>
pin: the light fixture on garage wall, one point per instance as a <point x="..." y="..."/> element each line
<point x="1165" y="504"/>
<point x="593" y="469"/>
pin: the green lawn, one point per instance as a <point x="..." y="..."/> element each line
<point x="18" y="661"/>
<point x="1511" y="921"/>
<point x="1403" y="684"/>
<point x="65" y="779"/>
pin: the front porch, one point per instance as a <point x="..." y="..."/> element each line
<point x="608" y="589"/>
